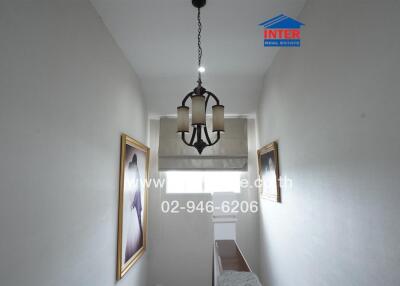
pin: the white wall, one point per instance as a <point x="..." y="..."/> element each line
<point x="247" y="227"/>
<point x="333" y="106"/>
<point x="66" y="94"/>
<point x="181" y="245"/>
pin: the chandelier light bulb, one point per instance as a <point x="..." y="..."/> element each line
<point x="201" y="69"/>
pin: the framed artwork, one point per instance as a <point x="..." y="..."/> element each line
<point x="132" y="207"/>
<point x="268" y="169"/>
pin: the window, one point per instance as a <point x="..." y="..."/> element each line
<point x="203" y="182"/>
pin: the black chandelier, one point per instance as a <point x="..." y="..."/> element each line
<point x="200" y="98"/>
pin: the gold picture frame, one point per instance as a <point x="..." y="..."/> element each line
<point x="268" y="171"/>
<point x="132" y="203"/>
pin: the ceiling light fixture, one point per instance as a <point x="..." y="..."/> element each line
<point x="200" y="98"/>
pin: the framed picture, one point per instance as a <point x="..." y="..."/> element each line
<point x="268" y="169"/>
<point x="132" y="208"/>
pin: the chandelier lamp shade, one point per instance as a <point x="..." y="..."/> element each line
<point x="200" y="99"/>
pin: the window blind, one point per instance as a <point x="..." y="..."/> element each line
<point x="230" y="153"/>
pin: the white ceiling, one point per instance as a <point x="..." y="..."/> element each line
<point x="159" y="39"/>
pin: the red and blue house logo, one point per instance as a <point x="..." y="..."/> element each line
<point x="282" y="31"/>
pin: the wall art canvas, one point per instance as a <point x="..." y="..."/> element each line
<point x="268" y="168"/>
<point x="132" y="209"/>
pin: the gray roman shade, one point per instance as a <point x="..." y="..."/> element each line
<point x="230" y="153"/>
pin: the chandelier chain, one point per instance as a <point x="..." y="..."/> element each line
<point x="200" y="50"/>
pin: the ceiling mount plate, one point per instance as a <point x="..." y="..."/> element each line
<point x="198" y="3"/>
